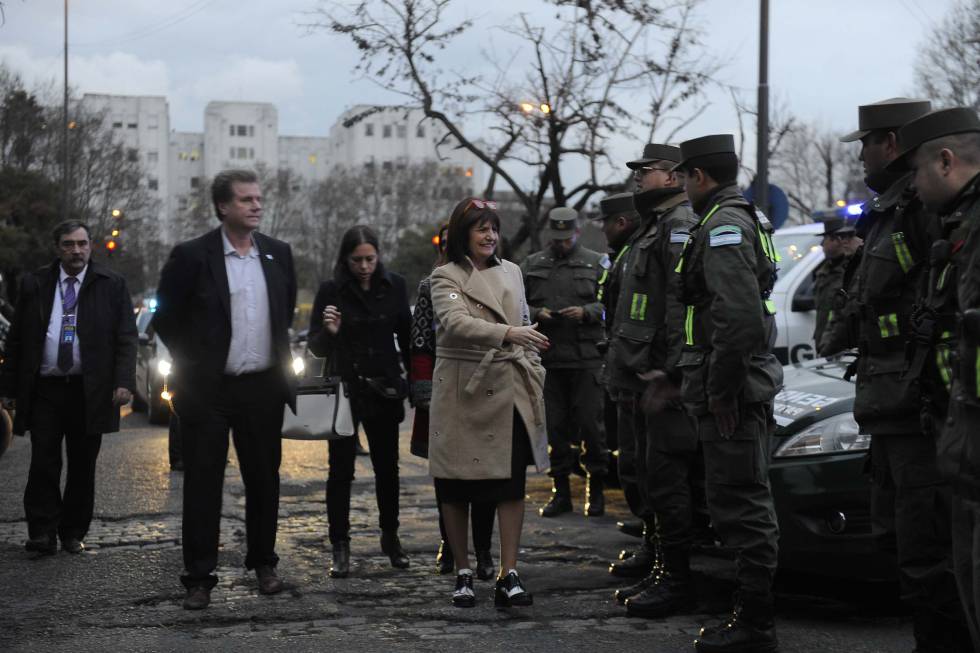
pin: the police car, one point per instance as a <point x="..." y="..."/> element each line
<point x="820" y="487"/>
<point x="153" y="365"/>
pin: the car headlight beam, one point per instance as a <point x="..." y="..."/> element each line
<point x="299" y="365"/>
<point x="164" y="367"/>
<point x="837" y="434"/>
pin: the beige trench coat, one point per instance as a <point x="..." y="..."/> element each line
<point x="479" y="380"/>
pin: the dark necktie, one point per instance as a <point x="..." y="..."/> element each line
<point x="66" y="342"/>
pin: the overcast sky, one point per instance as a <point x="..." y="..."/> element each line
<point x="826" y="57"/>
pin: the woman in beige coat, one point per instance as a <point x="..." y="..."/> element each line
<point x="487" y="411"/>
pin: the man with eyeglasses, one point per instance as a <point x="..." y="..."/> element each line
<point x="71" y="363"/>
<point x="561" y="282"/>
<point x="839" y="243"/>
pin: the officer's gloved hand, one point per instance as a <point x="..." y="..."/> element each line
<point x="725" y="413"/>
<point x="660" y="392"/>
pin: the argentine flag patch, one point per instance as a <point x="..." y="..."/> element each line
<point x="679" y="236"/>
<point x="727" y="234"/>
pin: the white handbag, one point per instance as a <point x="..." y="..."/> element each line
<point x="323" y="410"/>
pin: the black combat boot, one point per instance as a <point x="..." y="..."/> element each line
<point x="391" y="546"/>
<point x="643" y="561"/>
<point x="750" y="629"/>
<point x="624" y="593"/>
<point x="670" y="593"/>
<point x="595" y="501"/>
<point x="561" y="499"/>
<point x="340" y="567"/>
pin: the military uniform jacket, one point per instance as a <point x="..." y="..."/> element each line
<point x="955" y="287"/>
<point x="727" y="271"/>
<point x="648" y="322"/>
<point x="891" y="269"/>
<point x="555" y="283"/>
<point x="828" y="279"/>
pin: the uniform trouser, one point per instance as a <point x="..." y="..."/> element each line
<point x="175" y="445"/>
<point x="58" y="414"/>
<point x="672" y="462"/>
<point x="966" y="560"/>
<point x="631" y="462"/>
<point x="739" y="498"/>
<point x="244" y="405"/>
<point x="910" y="510"/>
<point x="573" y="400"/>
<point x="380" y="418"/>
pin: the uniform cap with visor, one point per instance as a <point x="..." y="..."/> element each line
<point x="944" y="122"/>
<point x="562" y="223"/>
<point x="655" y="152"/>
<point x="705" y="146"/>
<point x="887" y="114"/>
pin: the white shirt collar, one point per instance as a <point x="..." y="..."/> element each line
<point x="62" y="275"/>
<point x="230" y="249"/>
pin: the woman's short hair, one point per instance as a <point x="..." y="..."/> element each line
<point x="470" y="211"/>
<point x="359" y="234"/>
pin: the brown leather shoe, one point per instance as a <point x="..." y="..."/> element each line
<point x="197" y="598"/>
<point x="269" y="581"/>
<point x="72" y="545"/>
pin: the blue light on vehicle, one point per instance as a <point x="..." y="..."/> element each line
<point x="854" y="209"/>
<point x="153" y="305"/>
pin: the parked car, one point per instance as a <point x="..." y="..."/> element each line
<point x="153" y="366"/>
<point x="796" y="315"/>
<point x="820" y="486"/>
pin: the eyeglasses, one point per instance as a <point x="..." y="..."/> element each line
<point x="648" y="169"/>
<point x="481" y="204"/>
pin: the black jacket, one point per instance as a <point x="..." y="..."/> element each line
<point x="364" y="346"/>
<point x="106" y="338"/>
<point x="193" y="316"/>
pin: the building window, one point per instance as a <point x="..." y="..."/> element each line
<point x="251" y="130"/>
<point x="251" y="152"/>
<point x="369" y="129"/>
<point x="242" y="153"/>
<point x="386" y="131"/>
<point x="195" y="182"/>
<point x="117" y="124"/>
<point x="132" y="125"/>
<point x="152" y="158"/>
<point x="312" y="159"/>
<point x="386" y="166"/>
<point x="231" y="130"/>
<point x="195" y="155"/>
<point x="420" y="131"/>
<point x="132" y="155"/>
<point x="242" y="130"/>
<point x="231" y="153"/>
<point x="153" y="121"/>
<point x="153" y="183"/>
<point x="401" y="131"/>
<point x="182" y="203"/>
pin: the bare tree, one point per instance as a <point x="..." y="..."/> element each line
<point x="948" y="67"/>
<point x="553" y="104"/>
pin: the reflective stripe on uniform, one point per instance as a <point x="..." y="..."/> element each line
<point x="888" y="325"/>
<point x="943" y="276"/>
<point x="770" y="307"/>
<point x="680" y="260"/>
<point x="605" y="273"/>
<point x="943" y="360"/>
<point x="638" y="307"/>
<point x="689" y="328"/>
<point x="767" y="247"/>
<point x="902" y="251"/>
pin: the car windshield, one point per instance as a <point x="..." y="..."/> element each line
<point x="794" y="247"/>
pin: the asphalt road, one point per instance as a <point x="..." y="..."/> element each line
<point x="123" y="594"/>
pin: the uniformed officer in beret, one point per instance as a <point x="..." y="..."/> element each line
<point x="942" y="148"/>
<point x="839" y="243"/>
<point x="619" y="222"/>
<point x="730" y="376"/>
<point x="909" y="499"/>
<point x="561" y="283"/>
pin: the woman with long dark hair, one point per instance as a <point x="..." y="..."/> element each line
<point x="487" y="411"/>
<point x="357" y="316"/>
<point x="423" y="360"/>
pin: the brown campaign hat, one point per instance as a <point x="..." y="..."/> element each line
<point x="886" y="114"/>
<point x="944" y="122"/>
<point x="615" y="205"/>
<point x="655" y="152"/>
<point x="837" y="227"/>
<point x="562" y="223"/>
<point x="705" y="145"/>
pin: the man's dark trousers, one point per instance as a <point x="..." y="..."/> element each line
<point x="573" y="406"/>
<point x="58" y="412"/>
<point x="245" y="405"/>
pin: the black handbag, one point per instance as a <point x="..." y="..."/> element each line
<point x="323" y="411"/>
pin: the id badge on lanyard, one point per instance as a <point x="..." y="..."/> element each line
<point x="68" y="324"/>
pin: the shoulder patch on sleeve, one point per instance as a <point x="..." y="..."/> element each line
<point x="727" y="234"/>
<point x="604" y="262"/>
<point x="679" y="236"/>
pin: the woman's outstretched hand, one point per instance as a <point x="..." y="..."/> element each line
<point x="527" y="336"/>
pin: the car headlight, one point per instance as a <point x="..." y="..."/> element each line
<point x="833" y="435"/>
<point x="164" y="367"/>
<point x="298" y="366"/>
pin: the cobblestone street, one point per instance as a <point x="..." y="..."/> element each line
<point x="124" y="594"/>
